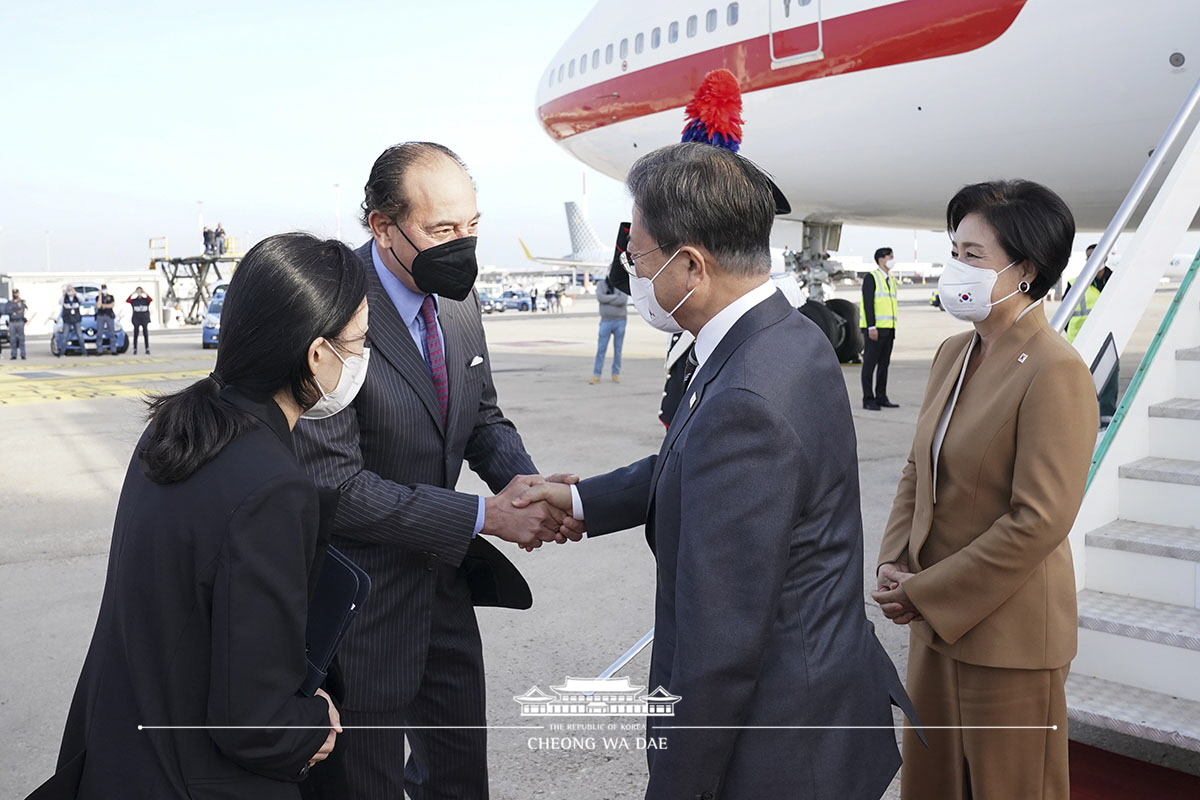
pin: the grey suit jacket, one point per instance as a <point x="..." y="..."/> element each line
<point x="396" y="465"/>
<point x="752" y="509"/>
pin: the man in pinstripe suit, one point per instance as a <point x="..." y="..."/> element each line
<point x="413" y="658"/>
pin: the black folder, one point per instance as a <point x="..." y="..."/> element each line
<point x="341" y="590"/>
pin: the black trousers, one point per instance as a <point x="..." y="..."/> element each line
<point x="876" y="357"/>
<point x="138" y="325"/>
<point x="444" y="723"/>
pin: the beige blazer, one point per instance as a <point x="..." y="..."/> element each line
<point x="994" y="579"/>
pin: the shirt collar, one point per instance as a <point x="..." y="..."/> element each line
<point x="715" y="329"/>
<point x="406" y="301"/>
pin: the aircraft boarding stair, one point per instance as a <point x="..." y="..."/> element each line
<point x="1138" y="668"/>
<point x="1136" y="540"/>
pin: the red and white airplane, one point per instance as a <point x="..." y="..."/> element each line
<point x="877" y="111"/>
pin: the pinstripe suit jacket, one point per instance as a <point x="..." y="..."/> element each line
<point x="396" y="464"/>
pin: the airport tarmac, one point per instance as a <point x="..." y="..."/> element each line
<point x="70" y="425"/>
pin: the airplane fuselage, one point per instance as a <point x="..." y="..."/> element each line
<point x="876" y="111"/>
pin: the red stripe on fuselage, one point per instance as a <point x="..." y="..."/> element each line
<point x="880" y="37"/>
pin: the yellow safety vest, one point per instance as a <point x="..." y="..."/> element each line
<point x="1080" y="313"/>
<point x="885" y="302"/>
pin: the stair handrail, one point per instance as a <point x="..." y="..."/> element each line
<point x="1140" y="374"/>
<point x="1178" y="126"/>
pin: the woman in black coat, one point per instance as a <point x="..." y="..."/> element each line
<point x="189" y="689"/>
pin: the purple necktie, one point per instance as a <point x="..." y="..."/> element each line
<point x="436" y="356"/>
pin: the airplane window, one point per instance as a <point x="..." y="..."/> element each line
<point x="625" y="48"/>
<point x="583" y="63"/>
<point x="673" y="33"/>
<point x="571" y="68"/>
<point x="731" y="14"/>
<point x="655" y="38"/>
<point x="710" y="20"/>
<point x="639" y="43"/>
<point x="608" y="54"/>
<point x="692" y="26"/>
<point x="561" y="69"/>
<point x="596" y="58"/>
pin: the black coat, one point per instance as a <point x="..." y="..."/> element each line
<point x="202" y="624"/>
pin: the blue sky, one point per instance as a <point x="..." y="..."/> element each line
<point x="120" y="118"/>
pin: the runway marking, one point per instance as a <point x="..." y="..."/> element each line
<point x="25" y="388"/>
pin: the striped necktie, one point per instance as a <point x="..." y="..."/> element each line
<point x="435" y="356"/>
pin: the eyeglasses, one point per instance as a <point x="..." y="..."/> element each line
<point x="627" y="260"/>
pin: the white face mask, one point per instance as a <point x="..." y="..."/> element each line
<point x="354" y="372"/>
<point x="889" y="262"/>
<point x="966" y="291"/>
<point x="642" y="292"/>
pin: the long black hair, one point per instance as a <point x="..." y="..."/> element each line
<point x="287" y="291"/>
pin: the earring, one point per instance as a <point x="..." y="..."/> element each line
<point x="1023" y="287"/>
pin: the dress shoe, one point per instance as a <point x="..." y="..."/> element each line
<point x="871" y="405"/>
<point x="885" y="403"/>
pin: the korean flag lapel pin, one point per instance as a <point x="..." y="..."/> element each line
<point x="1021" y="358"/>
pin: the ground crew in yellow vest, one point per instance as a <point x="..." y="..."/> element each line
<point x="877" y="310"/>
<point x="1079" y="315"/>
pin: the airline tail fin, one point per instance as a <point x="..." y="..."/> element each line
<point x="584" y="241"/>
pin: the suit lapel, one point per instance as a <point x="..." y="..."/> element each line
<point x="391" y="338"/>
<point x="766" y="313"/>
<point x="926" y="428"/>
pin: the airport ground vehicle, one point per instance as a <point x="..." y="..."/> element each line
<point x="521" y="301"/>
<point x="490" y="302"/>
<point x="210" y="329"/>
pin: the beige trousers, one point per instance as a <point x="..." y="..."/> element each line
<point x="978" y="761"/>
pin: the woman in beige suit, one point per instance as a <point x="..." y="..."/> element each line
<point x="975" y="558"/>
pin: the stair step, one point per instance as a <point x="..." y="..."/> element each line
<point x="1177" y="408"/>
<point x="1161" y="623"/>
<point x="1154" y="646"/>
<point x="1163" y="470"/>
<point x="1164" y="541"/>
<point x="1133" y="712"/>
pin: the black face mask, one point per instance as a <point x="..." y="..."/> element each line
<point x="447" y="270"/>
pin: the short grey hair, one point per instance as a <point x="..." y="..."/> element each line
<point x="699" y="194"/>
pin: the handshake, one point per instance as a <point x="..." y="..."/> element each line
<point x="532" y="510"/>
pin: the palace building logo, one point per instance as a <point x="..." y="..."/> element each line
<point x="612" y="697"/>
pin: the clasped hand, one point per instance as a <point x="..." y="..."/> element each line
<point x="532" y="510"/>
<point x="892" y="598"/>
